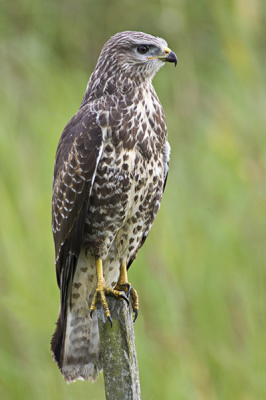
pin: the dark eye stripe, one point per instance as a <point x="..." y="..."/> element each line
<point x="143" y="49"/>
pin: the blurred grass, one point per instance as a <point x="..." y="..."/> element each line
<point x="201" y="275"/>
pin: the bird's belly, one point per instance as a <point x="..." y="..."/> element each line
<point x="122" y="203"/>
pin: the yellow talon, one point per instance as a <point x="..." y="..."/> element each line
<point x="102" y="290"/>
<point x="124" y="285"/>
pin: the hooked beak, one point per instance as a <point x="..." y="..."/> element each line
<point x="168" y="56"/>
<point x="171" y="58"/>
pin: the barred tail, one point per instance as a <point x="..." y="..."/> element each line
<point x="79" y="357"/>
<point x="75" y="344"/>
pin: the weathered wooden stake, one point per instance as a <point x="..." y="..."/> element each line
<point x="119" y="357"/>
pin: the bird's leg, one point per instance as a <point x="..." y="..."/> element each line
<point x="102" y="290"/>
<point x="124" y="285"/>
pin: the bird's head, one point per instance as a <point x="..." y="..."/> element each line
<point x="126" y="60"/>
<point x="137" y="53"/>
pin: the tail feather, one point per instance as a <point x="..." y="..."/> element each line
<point x="57" y="340"/>
<point x="79" y="357"/>
<point x="75" y="344"/>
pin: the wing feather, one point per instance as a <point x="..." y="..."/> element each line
<point x="77" y="157"/>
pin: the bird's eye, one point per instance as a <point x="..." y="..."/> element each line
<point x="143" y="49"/>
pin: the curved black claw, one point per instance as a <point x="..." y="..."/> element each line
<point x="125" y="297"/>
<point x="111" y="321"/>
<point x="136" y="315"/>
<point x="109" y="318"/>
<point x="128" y="290"/>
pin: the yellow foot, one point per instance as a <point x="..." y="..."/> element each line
<point x="103" y="290"/>
<point x="124" y="285"/>
<point x="135" y="303"/>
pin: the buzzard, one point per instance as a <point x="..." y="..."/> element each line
<point x="110" y="171"/>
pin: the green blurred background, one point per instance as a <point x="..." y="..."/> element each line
<point x="201" y="277"/>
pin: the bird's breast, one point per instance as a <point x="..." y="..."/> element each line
<point x="127" y="186"/>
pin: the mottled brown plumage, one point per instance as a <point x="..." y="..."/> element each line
<point x="110" y="171"/>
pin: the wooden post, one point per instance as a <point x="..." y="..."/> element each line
<point x="119" y="357"/>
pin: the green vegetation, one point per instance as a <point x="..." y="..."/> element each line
<point x="201" y="276"/>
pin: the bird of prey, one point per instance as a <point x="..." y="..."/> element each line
<point x="110" y="171"/>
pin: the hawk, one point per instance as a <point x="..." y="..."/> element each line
<point x="110" y="171"/>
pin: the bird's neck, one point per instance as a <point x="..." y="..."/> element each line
<point x="116" y="83"/>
